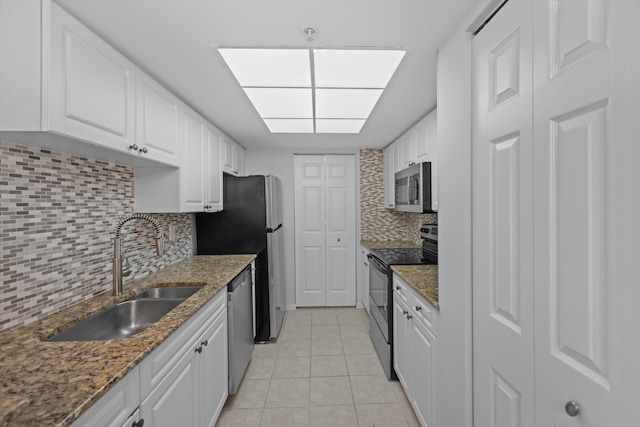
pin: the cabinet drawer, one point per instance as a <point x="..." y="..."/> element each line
<point x="115" y="407"/>
<point x="401" y="289"/>
<point x="423" y="311"/>
<point x="161" y="360"/>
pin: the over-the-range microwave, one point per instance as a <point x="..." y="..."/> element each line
<point x="413" y="189"/>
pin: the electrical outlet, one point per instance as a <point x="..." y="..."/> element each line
<point x="172" y="233"/>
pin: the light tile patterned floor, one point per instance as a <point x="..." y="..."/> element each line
<point x="321" y="371"/>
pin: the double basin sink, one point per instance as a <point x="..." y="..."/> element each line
<point x="129" y="317"/>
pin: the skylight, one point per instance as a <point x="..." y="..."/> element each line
<point x="301" y="90"/>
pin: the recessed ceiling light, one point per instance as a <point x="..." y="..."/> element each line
<point x="293" y="96"/>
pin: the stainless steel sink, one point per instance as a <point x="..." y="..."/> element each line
<point x="124" y="320"/>
<point x="170" y="292"/>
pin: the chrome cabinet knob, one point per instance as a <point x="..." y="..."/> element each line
<point x="143" y="150"/>
<point x="405" y="312"/>
<point x="134" y="147"/>
<point x="205" y="343"/>
<point x="338" y="239"/>
<point x="409" y="317"/>
<point x="398" y="288"/>
<point x="572" y="408"/>
<point x="418" y="308"/>
<point x="138" y="423"/>
<point x="199" y="349"/>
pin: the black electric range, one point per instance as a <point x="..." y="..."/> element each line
<point x="381" y="290"/>
<point x="402" y="256"/>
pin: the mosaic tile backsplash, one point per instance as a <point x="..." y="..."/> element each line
<point x="377" y="222"/>
<point x="58" y="214"/>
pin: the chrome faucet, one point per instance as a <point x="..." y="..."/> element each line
<point x="118" y="254"/>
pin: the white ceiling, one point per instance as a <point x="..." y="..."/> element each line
<point x="171" y="40"/>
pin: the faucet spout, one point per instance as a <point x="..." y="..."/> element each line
<point x="117" y="248"/>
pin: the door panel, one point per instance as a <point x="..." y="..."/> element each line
<point x="325" y="230"/>
<point x="502" y="221"/>
<point x="585" y="53"/>
<point x="340" y="231"/>
<point x="310" y="230"/>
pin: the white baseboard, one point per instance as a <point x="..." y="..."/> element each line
<point x="289" y="307"/>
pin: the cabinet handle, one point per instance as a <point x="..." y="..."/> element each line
<point x="205" y="343"/>
<point x="133" y="147"/>
<point x="199" y="349"/>
<point x="409" y="317"/>
<point x="398" y="288"/>
<point x="366" y="265"/>
<point x="405" y="312"/>
<point x="418" y="308"/>
<point x="138" y="423"/>
<point x="143" y="150"/>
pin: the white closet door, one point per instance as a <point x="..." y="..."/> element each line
<point x="586" y="104"/>
<point x="309" y="230"/>
<point x="340" y="231"/>
<point x="503" y="221"/>
<point x="325" y="230"/>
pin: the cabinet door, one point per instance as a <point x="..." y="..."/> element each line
<point x="423" y="148"/>
<point x="192" y="177"/>
<point x="408" y="149"/>
<point x="239" y="165"/>
<point x="389" y="177"/>
<point x="213" y="169"/>
<point x="423" y="358"/>
<point x="174" y="401"/>
<point x="228" y="151"/>
<point x="91" y="93"/>
<point x="158" y="120"/>
<point x="401" y="343"/>
<point x="213" y="366"/>
<point x="398" y="152"/>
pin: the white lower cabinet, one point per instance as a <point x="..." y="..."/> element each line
<point x="414" y="350"/>
<point x="183" y="382"/>
<point x="195" y="388"/>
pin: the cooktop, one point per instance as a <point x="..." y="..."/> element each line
<point x="401" y="256"/>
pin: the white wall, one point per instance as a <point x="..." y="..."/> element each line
<point x="279" y="162"/>
<point x="455" y="395"/>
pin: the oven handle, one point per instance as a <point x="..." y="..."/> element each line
<point x="378" y="264"/>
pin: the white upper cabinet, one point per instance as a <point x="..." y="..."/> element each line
<point x="196" y="185"/>
<point x="58" y="77"/>
<point x="233" y="157"/>
<point x="65" y="89"/>
<point x="213" y="171"/>
<point x="90" y="86"/>
<point x="158" y="121"/>
<point x="419" y="144"/>
<point x="192" y="172"/>
<point x="389" y="182"/>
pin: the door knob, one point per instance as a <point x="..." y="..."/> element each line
<point x="572" y="408"/>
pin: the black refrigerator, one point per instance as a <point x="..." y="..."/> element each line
<point x="251" y="223"/>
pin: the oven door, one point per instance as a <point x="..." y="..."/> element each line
<point x="379" y="293"/>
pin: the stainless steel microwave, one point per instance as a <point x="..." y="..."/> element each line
<point x="413" y="189"/>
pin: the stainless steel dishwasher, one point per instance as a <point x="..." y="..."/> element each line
<point x="240" y="321"/>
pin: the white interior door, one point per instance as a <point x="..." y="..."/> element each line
<point x="586" y="200"/>
<point x="325" y="230"/>
<point x="309" y="230"/>
<point x="503" y="331"/>
<point x="340" y="230"/>
<point x="584" y="91"/>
